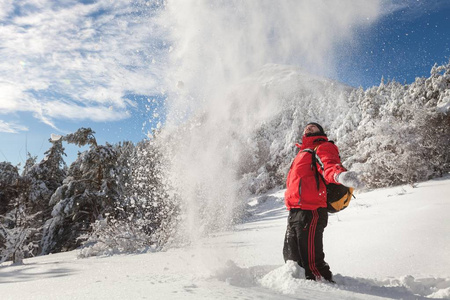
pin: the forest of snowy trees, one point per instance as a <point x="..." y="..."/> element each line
<point x="118" y="198"/>
<point x="51" y="208"/>
<point x="392" y="133"/>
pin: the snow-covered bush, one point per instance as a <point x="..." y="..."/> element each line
<point x="16" y="230"/>
<point x="111" y="236"/>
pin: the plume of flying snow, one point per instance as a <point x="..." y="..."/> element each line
<point x="222" y="75"/>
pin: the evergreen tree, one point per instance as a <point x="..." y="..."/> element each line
<point x="9" y="181"/>
<point x="9" y="191"/>
<point x="29" y="206"/>
<point x="88" y="193"/>
<point x="30" y="162"/>
<point x="41" y="180"/>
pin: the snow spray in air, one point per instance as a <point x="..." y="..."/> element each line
<point x="220" y="92"/>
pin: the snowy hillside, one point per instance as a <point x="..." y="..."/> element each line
<point x="243" y="141"/>
<point x="390" y="243"/>
<point x="194" y="176"/>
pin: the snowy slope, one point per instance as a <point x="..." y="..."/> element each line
<point x="390" y="243"/>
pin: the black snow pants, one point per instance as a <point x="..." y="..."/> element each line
<point x="303" y="242"/>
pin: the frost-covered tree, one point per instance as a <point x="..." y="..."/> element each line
<point x="29" y="163"/>
<point x="433" y="121"/>
<point x="155" y="207"/>
<point x="20" y="226"/>
<point x="45" y="177"/>
<point x="9" y="189"/>
<point x="29" y="205"/>
<point x="40" y="181"/>
<point x="17" y="232"/>
<point x="404" y="132"/>
<point x="88" y="193"/>
<point x="82" y="137"/>
<point x="146" y="215"/>
<point x="13" y="245"/>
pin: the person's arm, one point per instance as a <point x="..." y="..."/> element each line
<point x="333" y="171"/>
<point x="330" y="166"/>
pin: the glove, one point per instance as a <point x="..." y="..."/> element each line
<point x="350" y="179"/>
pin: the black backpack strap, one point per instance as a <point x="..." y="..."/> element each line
<point x="314" y="161"/>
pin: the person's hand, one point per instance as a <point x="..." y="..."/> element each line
<point x="350" y="179"/>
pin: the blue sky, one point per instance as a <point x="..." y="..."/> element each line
<point x="402" y="45"/>
<point x="101" y="64"/>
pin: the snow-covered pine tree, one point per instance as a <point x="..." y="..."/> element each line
<point x="88" y="193"/>
<point x="347" y="129"/>
<point x="29" y="207"/>
<point x="432" y="122"/>
<point x="9" y="191"/>
<point x="39" y="182"/>
<point x="9" y="180"/>
<point x="29" y="163"/>
<point x="403" y="136"/>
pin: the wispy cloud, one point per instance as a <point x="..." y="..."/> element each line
<point x="11" y="127"/>
<point x="77" y="60"/>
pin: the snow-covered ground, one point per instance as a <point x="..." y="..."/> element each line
<point x="390" y="243"/>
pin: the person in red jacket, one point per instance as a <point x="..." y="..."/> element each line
<point x="306" y="200"/>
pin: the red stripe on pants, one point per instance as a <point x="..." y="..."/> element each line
<point x="311" y="246"/>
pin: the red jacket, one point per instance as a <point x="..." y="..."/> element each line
<point x="301" y="185"/>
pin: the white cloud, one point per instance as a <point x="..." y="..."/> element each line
<point x="6" y="6"/>
<point x="11" y="97"/>
<point x="75" y="112"/>
<point x="11" y="127"/>
<point x="13" y="100"/>
<point x="76" y="61"/>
